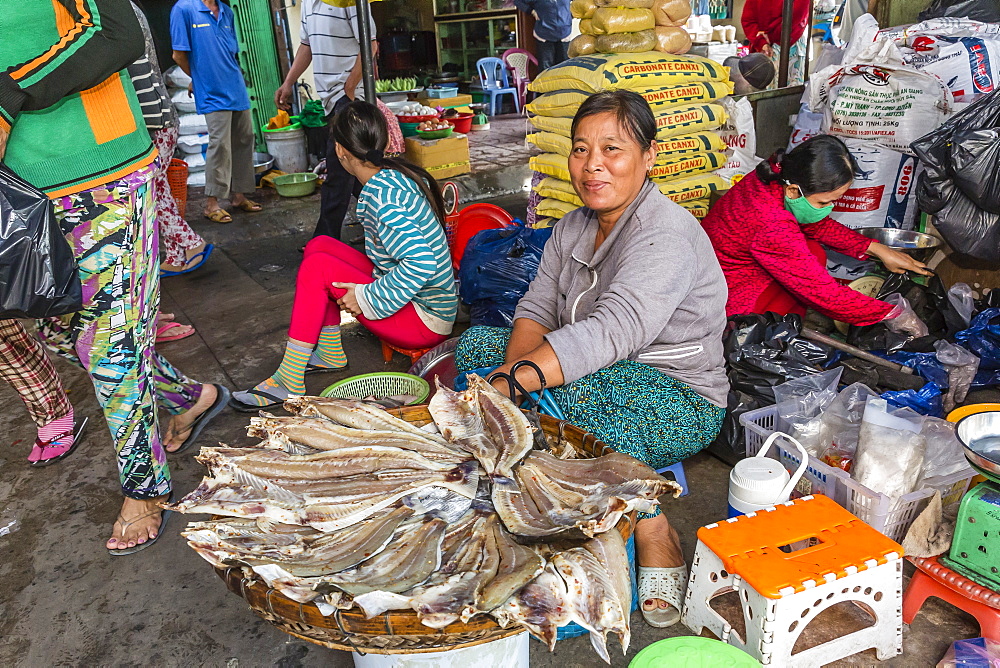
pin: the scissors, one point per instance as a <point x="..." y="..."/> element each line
<point x="533" y="401"/>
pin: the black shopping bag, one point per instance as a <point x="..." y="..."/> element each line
<point x="38" y="274"/>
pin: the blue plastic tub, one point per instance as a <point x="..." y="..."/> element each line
<point x="440" y="93"/>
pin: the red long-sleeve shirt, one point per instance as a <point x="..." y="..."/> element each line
<point x="759" y="242"/>
<point x="765" y="16"/>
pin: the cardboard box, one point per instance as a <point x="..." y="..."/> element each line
<point x="446" y="102"/>
<point x="432" y="153"/>
<point x="448" y="171"/>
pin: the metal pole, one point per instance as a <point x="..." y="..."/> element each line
<point x="786" y="38"/>
<point x="367" y="64"/>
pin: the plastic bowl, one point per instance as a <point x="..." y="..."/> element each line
<point x="462" y="123"/>
<point x="416" y="119"/>
<point x="295" y="185"/>
<point x="381" y="386"/>
<point x="435" y="134"/>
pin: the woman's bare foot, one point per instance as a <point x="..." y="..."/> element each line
<point x="190" y="258"/>
<point x="179" y="427"/>
<point x="657" y="546"/>
<point x="138" y="522"/>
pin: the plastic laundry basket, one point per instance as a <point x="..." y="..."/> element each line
<point x="380" y="385"/>
<point x="177" y="176"/>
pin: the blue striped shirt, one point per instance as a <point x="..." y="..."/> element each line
<point x="408" y="247"/>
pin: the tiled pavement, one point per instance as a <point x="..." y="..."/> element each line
<point x="502" y="145"/>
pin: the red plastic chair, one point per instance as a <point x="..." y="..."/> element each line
<point x="933" y="578"/>
<point x="517" y="61"/>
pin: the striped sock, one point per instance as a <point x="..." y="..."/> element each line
<point x="329" y="352"/>
<point x="291" y="372"/>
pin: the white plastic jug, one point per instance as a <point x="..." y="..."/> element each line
<point x="758" y="482"/>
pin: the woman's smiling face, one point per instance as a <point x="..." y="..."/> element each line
<point x="607" y="166"/>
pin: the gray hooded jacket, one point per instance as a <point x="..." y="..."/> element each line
<point x="653" y="293"/>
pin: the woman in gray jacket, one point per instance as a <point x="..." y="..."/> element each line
<point x="625" y="319"/>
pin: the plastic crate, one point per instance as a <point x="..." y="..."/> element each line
<point x="441" y="93"/>
<point x="875" y="509"/>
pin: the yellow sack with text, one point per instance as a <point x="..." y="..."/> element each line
<point x="631" y="71"/>
<point x="684" y="120"/>
<point x="626" y="42"/>
<point x="550" y="164"/>
<point x="697" y="207"/>
<point x="582" y="45"/>
<point x="582" y="9"/>
<point x="663" y="97"/>
<point x="550" y="142"/>
<point x="687" y="165"/>
<point x="560" y="190"/>
<point x="554" y="208"/>
<point x="561" y="103"/>
<point x="558" y="125"/>
<point x="692" y="187"/>
<point x="611" y="20"/>
<point x="698" y="142"/>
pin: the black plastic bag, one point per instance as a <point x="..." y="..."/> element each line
<point x="497" y="267"/>
<point x="38" y="274"/>
<point x="987" y="11"/>
<point x="956" y="180"/>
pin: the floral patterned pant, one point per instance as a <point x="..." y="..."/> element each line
<point x="176" y="236"/>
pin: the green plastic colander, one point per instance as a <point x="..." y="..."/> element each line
<point x="380" y="385"/>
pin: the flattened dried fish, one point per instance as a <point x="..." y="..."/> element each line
<point x="505" y="424"/>
<point x="609" y="549"/>
<point x="321" y="465"/>
<point x="591" y="597"/>
<point x="540" y="607"/>
<point x="357" y="414"/>
<point x="458" y="416"/>
<point x="518" y="566"/>
<point x="413" y="554"/>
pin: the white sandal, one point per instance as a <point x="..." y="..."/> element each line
<point x="666" y="584"/>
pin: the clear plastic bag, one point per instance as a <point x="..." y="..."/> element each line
<point x="670" y="39"/>
<point x="801" y="403"/>
<point x="610" y="20"/>
<point x="625" y="4"/>
<point x="891" y="450"/>
<point x="582" y="45"/>
<point x="842" y="420"/>
<point x="961" y="366"/>
<point x="963" y="301"/>
<point x="972" y="653"/>
<point x="671" y="12"/>
<point x="944" y="453"/>
<point x="626" y="42"/>
<point x="582" y="9"/>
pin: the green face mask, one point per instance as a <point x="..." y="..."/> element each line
<point x="805" y="212"/>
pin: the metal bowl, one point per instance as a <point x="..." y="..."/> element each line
<point x="979" y="434"/>
<point x="918" y="245"/>
<point x="262" y="162"/>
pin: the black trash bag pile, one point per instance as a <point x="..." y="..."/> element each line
<point x="761" y="351"/>
<point x="961" y="184"/>
<point x="987" y="11"/>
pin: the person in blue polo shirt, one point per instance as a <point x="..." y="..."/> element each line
<point x="553" y="24"/>
<point x="205" y="47"/>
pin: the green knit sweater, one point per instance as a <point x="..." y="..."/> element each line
<point x="72" y="114"/>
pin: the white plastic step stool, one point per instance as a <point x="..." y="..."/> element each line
<point x="781" y="591"/>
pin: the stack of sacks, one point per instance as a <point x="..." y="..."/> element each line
<point x="684" y="93"/>
<point x="192" y="126"/>
<point x="630" y="26"/>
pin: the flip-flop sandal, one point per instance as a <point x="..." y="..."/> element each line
<point x="203" y="254"/>
<point x="312" y="369"/>
<point x="222" y="398"/>
<point x="163" y="337"/>
<point x="78" y="432"/>
<point x="249" y="206"/>
<point x="238" y="405"/>
<point x="164" y="516"/>
<point x="219" y="216"/>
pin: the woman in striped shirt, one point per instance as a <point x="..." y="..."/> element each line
<point x="401" y="288"/>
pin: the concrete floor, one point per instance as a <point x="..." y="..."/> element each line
<point x="64" y="601"/>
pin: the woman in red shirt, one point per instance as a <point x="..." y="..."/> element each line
<point x="767" y="232"/>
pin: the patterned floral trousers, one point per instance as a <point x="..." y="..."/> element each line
<point x="176" y="236"/>
<point x="113" y="235"/>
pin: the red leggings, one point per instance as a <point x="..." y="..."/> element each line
<point x="327" y="261"/>
<point x="779" y="300"/>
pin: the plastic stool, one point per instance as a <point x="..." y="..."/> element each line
<point x="414" y="354"/>
<point x="935" y="579"/>
<point x="780" y="592"/>
<point x="689" y="652"/>
<point x="679" y="477"/>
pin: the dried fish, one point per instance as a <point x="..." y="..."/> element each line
<point x="592" y="599"/>
<point x="356" y="414"/>
<point x="540" y="607"/>
<point x="458" y="416"/>
<point x="505" y="424"/>
<point x="321" y="465"/>
<point x="609" y="549"/>
<point x="518" y="566"/>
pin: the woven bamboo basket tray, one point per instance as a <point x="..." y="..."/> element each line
<point x="396" y="631"/>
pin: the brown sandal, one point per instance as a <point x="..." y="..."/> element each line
<point x="249" y="206"/>
<point x="219" y="216"/>
<point x="165" y="515"/>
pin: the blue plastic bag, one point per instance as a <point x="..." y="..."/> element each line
<point x="497" y="267"/>
<point x="926" y="400"/>
<point x="983" y="338"/>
